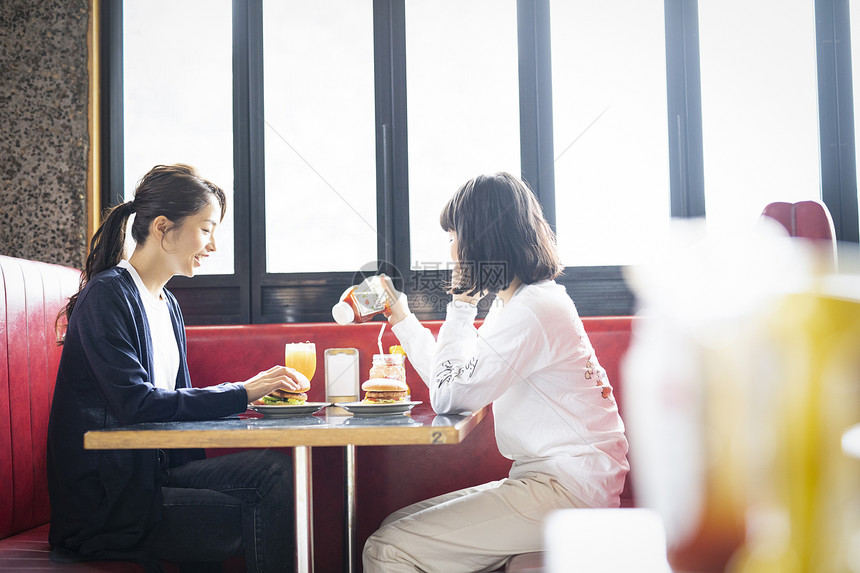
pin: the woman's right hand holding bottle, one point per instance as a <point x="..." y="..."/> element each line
<point x="398" y="305"/>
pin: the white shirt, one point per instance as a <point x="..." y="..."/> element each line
<point x="552" y="401"/>
<point x="165" y="349"/>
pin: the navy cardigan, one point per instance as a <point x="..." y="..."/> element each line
<point x="104" y="503"/>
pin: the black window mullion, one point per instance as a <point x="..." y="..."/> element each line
<point x="535" y="95"/>
<point x="111" y="111"/>
<point x="392" y="180"/>
<point x="836" y="116"/>
<point x="684" y="95"/>
<point x="248" y="108"/>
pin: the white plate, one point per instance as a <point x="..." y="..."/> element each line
<point x="367" y="409"/>
<point x="276" y="411"/>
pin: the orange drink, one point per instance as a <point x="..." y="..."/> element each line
<point x="302" y="356"/>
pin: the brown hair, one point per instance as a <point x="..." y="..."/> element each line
<point x="175" y="191"/>
<point x="501" y="234"/>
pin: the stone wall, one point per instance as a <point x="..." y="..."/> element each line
<point x="44" y="138"/>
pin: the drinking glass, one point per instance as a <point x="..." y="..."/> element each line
<point x="302" y="356"/>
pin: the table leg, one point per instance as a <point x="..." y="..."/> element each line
<point x="349" y="509"/>
<point x="303" y="483"/>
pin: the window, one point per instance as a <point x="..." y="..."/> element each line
<point x="340" y="129"/>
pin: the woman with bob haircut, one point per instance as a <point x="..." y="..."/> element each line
<point x="554" y="412"/>
<point x="124" y="362"/>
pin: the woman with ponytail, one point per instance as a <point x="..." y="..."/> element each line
<point x="123" y="362"/>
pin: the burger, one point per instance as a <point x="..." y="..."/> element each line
<point x="384" y="391"/>
<point x="283" y="397"/>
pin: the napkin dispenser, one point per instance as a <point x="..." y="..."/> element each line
<point x="341" y="375"/>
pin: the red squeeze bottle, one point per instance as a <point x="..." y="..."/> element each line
<point x="361" y="302"/>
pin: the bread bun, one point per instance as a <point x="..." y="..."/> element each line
<point x="384" y="391"/>
<point x="304" y="388"/>
<point x="383" y="385"/>
<point x="284" y="397"/>
<point x="281" y="393"/>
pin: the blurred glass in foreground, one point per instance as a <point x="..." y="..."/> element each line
<point x="742" y="375"/>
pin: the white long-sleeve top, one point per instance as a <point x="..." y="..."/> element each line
<point x="552" y="402"/>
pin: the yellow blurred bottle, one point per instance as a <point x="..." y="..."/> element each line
<point x="804" y="514"/>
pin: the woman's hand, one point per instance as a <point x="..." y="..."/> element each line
<point x="275" y="377"/>
<point x="398" y="305"/>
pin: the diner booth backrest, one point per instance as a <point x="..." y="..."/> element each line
<point x="32" y="295"/>
<point x="807" y="220"/>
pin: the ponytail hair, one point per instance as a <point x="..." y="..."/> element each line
<point x="175" y="191"/>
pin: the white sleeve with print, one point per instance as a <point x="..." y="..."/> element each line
<point x="472" y="368"/>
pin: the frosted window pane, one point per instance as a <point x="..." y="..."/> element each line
<point x="177" y="98"/>
<point x="759" y="106"/>
<point x="463" y="107"/>
<point x="609" y="129"/>
<point x="319" y="135"/>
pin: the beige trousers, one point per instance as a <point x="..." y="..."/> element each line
<point x="470" y="530"/>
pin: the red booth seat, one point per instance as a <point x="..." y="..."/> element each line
<point x="32" y="294"/>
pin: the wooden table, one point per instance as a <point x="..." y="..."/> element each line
<point x="330" y="428"/>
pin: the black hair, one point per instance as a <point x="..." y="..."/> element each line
<point x="175" y="191"/>
<point x="501" y="234"/>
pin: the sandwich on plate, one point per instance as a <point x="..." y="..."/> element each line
<point x="281" y="397"/>
<point x="384" y="391"/>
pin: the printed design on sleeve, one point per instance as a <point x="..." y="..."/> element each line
<point x="470" y="366"/>
<point x="599" y="376"/>
<point x="450" y="370"/>
<point x="447" y="372"/>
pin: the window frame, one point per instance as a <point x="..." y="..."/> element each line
<point x="251" y="295"/>
<point x="836" y="117"/>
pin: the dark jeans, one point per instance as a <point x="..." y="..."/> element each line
<point x="219" y="507"/>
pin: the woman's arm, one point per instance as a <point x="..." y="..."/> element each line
<point x="417" y="341"/>
<point x="112" y="346"/>
<point x="463" y="369"/>
<point x="419" y="344"/>
<point x="473" y="368"/>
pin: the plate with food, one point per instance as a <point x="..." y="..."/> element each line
<point x="284" y="410"/>
<point x="371" y="409"/>
<point x="282" y="403"/>
<point x="381" y="396"/>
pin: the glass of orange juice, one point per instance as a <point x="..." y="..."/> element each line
<point x="302" y="356"/>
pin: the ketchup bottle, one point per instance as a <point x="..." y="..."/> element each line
<point x="361" y="302"/>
